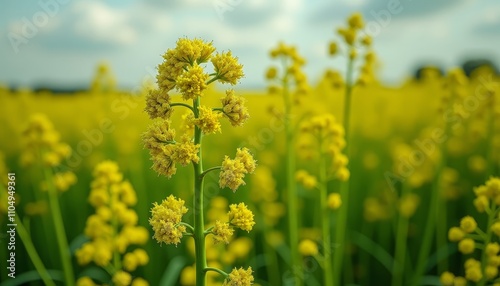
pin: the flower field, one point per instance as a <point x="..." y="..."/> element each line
<point x="191" y="180"/>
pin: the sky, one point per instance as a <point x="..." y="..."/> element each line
<point x="60" y="42"/>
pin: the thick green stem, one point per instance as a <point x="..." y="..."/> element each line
<point x="199" y="224"/>
<point x="62" y="241"/>
<point x="293" y="220"/>
<point x="325" y="219"/>
<point x="344" y="186"/>
<point x="401" y="241"/>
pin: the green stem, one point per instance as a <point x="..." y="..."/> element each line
<point x="216" y="270"/>
<point x="204" y="173"/>
<point x="325" y="218"/>
<point x="293" y="219"/>
<point x="491" y="219"/>
<point x="489" y="143"/>
<point x="32" y="253"/>
<point x="182" y="104"/>
<point x="425" y="248"/>
<point x="344" y="186"/>
<point x="62" y="241"/>
<point x="199" y="224"/>
<point x="401" y="241"/>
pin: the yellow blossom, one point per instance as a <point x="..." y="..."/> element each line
<point x="165" y="219"/>
<point x="222" y="232"/>
<point x="447" y="278"/>
<point x="208" y="121"/>
<point x="456" y="234"/>
<point x="85" y="281"/>
<point x="468" y="224"/>
<point x="466" y="246"/>
<point x="234" y="108"/>
<point x="158" y="104"/>
<point x="192" y="83"/>
<point x="334" y="201"/>
<point x="239" y="277"/>
<point x="227" y="68"/>
<point x="122" y="278"/>
<point x="241" y="217"/>
<point x="308" y="247"/>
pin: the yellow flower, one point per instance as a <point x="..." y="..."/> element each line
<point x="169" y="70"/>
<point x="271" y="73"/>
<point x="233" y="170"/>
<point x="481" y="203"/>
<point x="366" y="40"/>
<point x="130" y="262"/>
<point x="208" y="121"/>
<point x="222" y="232"/>
<point x="241" y="217"/>
<point x="139" y="282"/>
<point x="85" y="281"/>
<point x="355" y="21"/>
<point x="492" y="249"/>
<point x="165" y="219"/>
<point x="468" y="224"/>
<point x="122" y="278"/>
<point x="227" y="68"/>
<point x="447" y="278"/>
<point x="456" y="234"/>
<point x="460" y="281"/>
<point x="334" y="201"/>
<point x="491" y="272"/>
<point x="243" y="155"/>
<point x="495" y="227"/>
<point x="186" y="152"/>
<point x="466" y="246"/>
<point x="239" y="277"/>
<point x="188" y="276"/>
<point x="192" y="83"/>
<point x="195" y="50"/>
<point x="308" y="247"/>
<point x="234" y="108"/>
<point x="307" y="180"/>
<point x="158" y="104"/>
<point x="473" y="273"/>
<point x="332" y="48"/>
<point x="85" y="254"/>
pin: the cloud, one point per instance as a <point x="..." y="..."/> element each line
<point x="419" y="8"/>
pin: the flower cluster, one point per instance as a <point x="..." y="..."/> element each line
<point x="113" y="228"/>
<point x="291" y="72"/>
<point x="471" y="237"/>
<point x="183" y="69"/>
<point x="166" y="218"/>
<point x="233" y="170"/>
<point x="329" y="134"/>
<point x="43" y="143"/>
<point x="239" y="277"/>
<point x="352" y="38"/>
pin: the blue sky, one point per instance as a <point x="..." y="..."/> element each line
<point x="60" y="42"/>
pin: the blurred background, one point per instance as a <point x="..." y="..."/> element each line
<point x="59" y="43"/>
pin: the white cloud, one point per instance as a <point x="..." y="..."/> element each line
<point x="99" y="22"/>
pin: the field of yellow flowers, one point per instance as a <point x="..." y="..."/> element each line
<point x="191" y="181"/>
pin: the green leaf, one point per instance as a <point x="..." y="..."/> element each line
<point x="32" y="276"/>
<point x="374" y="249"/>
<point x="171" y="274"/>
